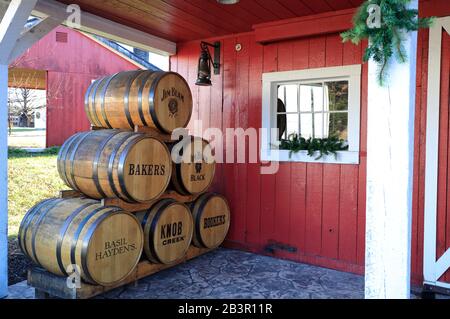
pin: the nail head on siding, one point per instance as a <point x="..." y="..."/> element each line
<point x="238" y="47"/>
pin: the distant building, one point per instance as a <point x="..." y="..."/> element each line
<point x="14" y="120"/>
<point x="40" y="119"/>
<point x="64" y="63"/>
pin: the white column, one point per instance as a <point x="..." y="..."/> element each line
<point x="11" y="25"/>
<point x="390" y="177"/>
<point x="3" y="180"/>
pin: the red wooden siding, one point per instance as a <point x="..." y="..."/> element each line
<point x="324" y="23"/>
<point x="431" y="8"/>
<point x="318" y="209"/>
<point x="443" y="212"/>
<point x="434" y="8"/>
<point x="443" y="150"/>
<point x="70" y="69"/>
<point x="315" y="208"/>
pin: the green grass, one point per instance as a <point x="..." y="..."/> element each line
<point x="24" y="129"/>
<point x="18" y="152"/>
<point x="32" y="178"/>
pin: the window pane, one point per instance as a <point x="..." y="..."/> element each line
<point x="306" y="125"/>
<point x="287" y="124"/>
<point x="281" y="125"/>
<point x="287" y="95"/>
<point x="318" y="125"/>
<point x="311" y="97"/>
<point x="337" y="125"/>
<point x="336" y="96"/>
<point x="292" y="124"/>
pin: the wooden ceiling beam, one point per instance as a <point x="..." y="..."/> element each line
<point x="330" y="22"/>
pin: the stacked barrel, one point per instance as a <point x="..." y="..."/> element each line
<point x="105" y="243"/>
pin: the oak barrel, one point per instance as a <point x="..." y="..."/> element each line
<point x="211" y="214"/>
<point x="194" y="167"/>
<point x="104" y="242"/>
<point x="114" y="163"/>
<point x="161" y="100"/>
<point x="168" y="228"/>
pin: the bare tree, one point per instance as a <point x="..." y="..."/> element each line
<point x="9" y="111"/>
<point x="24" y="102"/>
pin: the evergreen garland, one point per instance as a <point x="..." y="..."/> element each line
<point x="325" y="146"/>
<point x="385" y="42"/>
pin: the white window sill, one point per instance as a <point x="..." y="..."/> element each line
<point x="343" y="157"/>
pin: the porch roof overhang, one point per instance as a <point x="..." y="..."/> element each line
<point x="186" y="20"/>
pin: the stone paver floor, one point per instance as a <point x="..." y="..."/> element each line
<point x="228" y="274"/>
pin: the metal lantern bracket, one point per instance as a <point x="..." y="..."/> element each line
<point x="216" y="61"/>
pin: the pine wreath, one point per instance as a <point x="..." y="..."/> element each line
<point x="386" y="41"/>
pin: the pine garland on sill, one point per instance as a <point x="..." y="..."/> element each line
<point x="325" y="146"/>
<point x="385" y="40"/>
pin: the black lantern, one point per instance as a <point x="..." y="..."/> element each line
<point x="205" y="61"/>
<point x="227" y="1"/>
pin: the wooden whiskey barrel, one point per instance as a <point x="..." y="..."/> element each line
<point x="104" y="242"/>
<point x="113" y="163"/>
<point x="161" y="100"/>
<point x="211" y="214"/>
<point x="193" y="171"/>
<point x="168" y="229"/>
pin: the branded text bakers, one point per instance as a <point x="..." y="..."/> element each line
<point x="147" y="170"/>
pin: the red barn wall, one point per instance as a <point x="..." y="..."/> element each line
<point x="318" y="209"/>
<point x="439" y="8"/>
<point x="70" y="69"/>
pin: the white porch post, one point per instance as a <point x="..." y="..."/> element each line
<point x="389" y="177"/>
<point x="11" y="25"/>
<point x="3" y="180"/>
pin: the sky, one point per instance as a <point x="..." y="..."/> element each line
<point x="160" y="61"/>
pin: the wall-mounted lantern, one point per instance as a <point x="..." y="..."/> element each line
<point x="227" y="1"/>
<point x="205" y="61"/>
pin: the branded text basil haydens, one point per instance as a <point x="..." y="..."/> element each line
<point x="115" y="247"/>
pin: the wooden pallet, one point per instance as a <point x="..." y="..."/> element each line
<point x="167" y="138"/>
<point x="48" y="285"/>
<point x="131" y="207"/>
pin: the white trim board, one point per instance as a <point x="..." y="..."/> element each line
<point x="433" y="268"/>
<point x="108" y="29"/>
<point x="342" y="157"/>
<point x="123" y="56"/>
<point x="12" y="25"/>
<point x="11" y="29"/>
<point x="3" y="181"/>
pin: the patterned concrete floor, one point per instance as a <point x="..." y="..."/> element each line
<point x="225" y="274"/>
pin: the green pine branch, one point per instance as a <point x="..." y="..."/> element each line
<point x="386" y="42"/>
<point x="325" y="146"/>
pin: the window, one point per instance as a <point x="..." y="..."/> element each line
<point x="318" y="103"/>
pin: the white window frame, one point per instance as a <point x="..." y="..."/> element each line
<point x="350" y="73"/>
